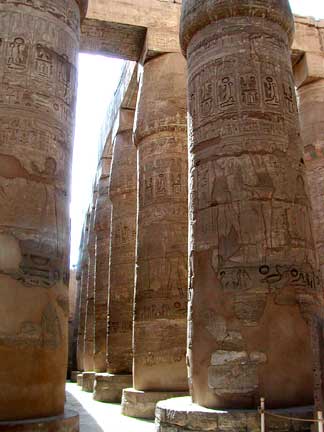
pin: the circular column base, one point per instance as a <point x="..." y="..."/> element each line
<point x="80" y="379"/>
<point x="109" y="387"/>
<point x="69" y="422"/>
<point x="74" y="376"/>
<point x="142" y="404"/>
<point x="181" y="415"/>
<point x="88" y="379"/>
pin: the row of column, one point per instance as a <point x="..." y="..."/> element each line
<point x="255" y="293"/>
<point x="144" y="254"/>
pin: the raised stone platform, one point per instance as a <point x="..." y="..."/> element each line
<point x="109" y="387"/>
<point x="74" y="376"/>
<point x="142" y="404"/>
<point x="181" y="415"/>
<point x="69" y="422"/>
<point x="88" y="379"/>
<point x="80" y="379"/>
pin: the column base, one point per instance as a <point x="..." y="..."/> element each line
<point x="74" y="376"/>
<point x="142" y="404"/>
<point x="88" y="379"/>
<point x="181" y="415"/>
<point x="80" y="379"/>
<point x="109" y="387"/>
<point x="68" y="422"/>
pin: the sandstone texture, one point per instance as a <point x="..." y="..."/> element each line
<point x="88" y="380"/>
<point x="109" y="387"/>
<point x="181" y="415"/>
<point x="255" y="295"/>
<point x="84" y="268"/>
<point x="38" y="71"/>
<point x="67" y="422"/>
<point x="102" y="230"/>
<point x="122" y="193"/>
<point x="161" y="264"/>
<point x="136" y="403"/>
<point x="89" y="328"/>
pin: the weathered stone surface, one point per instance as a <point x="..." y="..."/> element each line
<point x="68" y="422"/>
<point x="109" y="387"/>
<point x="38" y="70"/>
<point x="161" y="267"/>
<point x="84" y="263"/>
<point x="74" y="376"/>
<point x="117" y="29"/>
<point x="136" y="403"/>
<point x="88" y="380"/>
<point x="311" y="104"/>
<point x="102" y="230"/>
<point x="89" y="328"/>
<point x="181" y="415"/>
<point x="74" y="289"/>
<point x="80" y="379"/>
<point x="255" y="290"/>
<point x="122" y="193"/>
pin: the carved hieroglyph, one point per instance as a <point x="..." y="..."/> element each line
<point x="122" y="194"/>
<point x="255" y="294"/>
<point x="90" y="309"/>
<point x="102" y="230"/>
<point x="84" y="264"/>
<point x="161" y="270"/>
<point x="38" y="72"/>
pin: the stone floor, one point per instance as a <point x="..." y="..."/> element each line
<point x="101" y="417"/>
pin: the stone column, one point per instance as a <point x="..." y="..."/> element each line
<point x="122" y="193"/>
<point x="309" y="75"/>
<point x="162" y="239"/>
<point x="102" y="230"/>
<point x="84" y="262"/>
<point x="88" y="377"/>
<point x="38" y="73"/>
<point x="255" y="293"/>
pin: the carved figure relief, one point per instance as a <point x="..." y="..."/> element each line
<point x="18" y="54"/>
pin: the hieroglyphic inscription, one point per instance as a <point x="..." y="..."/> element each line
<point x="251" y="235"/>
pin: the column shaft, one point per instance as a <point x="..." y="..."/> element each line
<point x="122" y="193"/>
<point x="38" y="74"/>
<point x="255" y="293"/>
<point x="84" y="258"/>
<point x="102" y="229"/>
<point x="89" y="317"/>
<point x="161" y="264"/>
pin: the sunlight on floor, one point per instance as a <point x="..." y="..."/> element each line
<point x="101" y="417"/>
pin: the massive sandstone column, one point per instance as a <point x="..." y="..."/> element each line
<point x="255" y="294"/>
<point x="162" y="237"/>
<point x="102" y="230"/>
<point x="122" y="193"/>
<point x="38" y="73"/>
<point x="89" y="329"/>
<point x="84" y="263"/>
<point x="309" y="75"/>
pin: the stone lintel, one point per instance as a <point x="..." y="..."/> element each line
<point x="180" y="414"/>
<point x="68" y="422"/>
<point x="310" y="68"/>
<point x="142" y="404"/>
<point x="111" y="39"/>
<point x="158" y="42"/>
<point x="125" y="97"/>
<point x="109" y="387"/>
<point x="88" y="381"/>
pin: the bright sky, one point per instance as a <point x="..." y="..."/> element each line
<point x="98" y="79"/>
